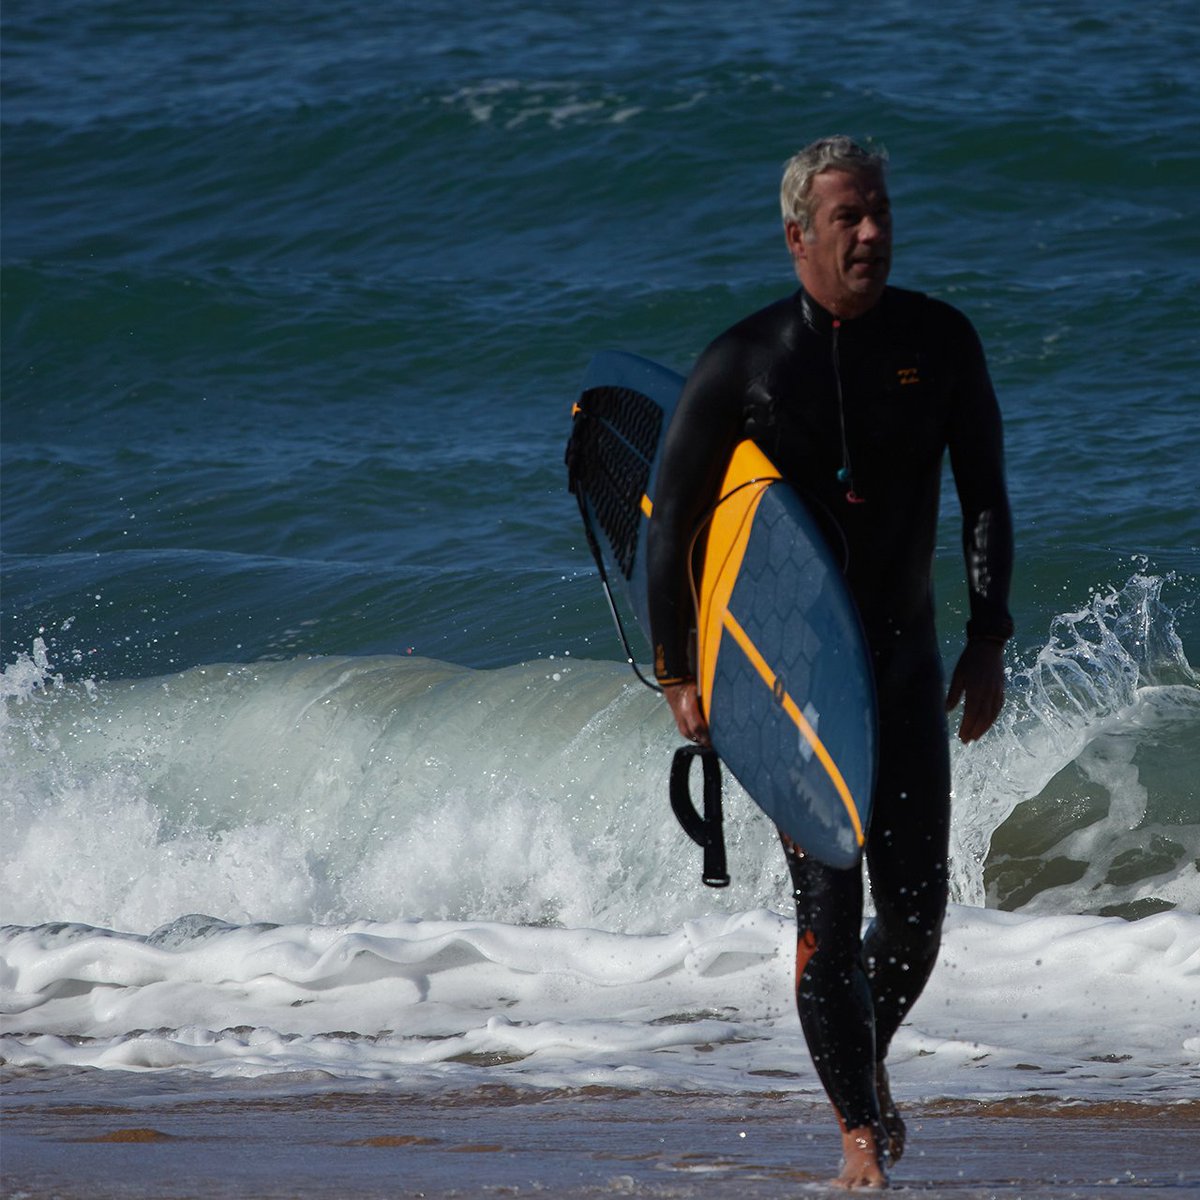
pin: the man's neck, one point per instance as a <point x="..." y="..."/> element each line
<point x="822" y="316"/>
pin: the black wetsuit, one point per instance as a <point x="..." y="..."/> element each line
<point x="857" y="415"/>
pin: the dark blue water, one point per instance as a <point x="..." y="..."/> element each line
<point x="296" y="300"/>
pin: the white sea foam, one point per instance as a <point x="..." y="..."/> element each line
<point x="1070" y="1007"/>
<point x="516" y="103"/>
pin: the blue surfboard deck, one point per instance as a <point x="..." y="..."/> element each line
<point x="784" y="670"/>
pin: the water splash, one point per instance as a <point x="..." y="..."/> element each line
<point x="1108" y="673"/>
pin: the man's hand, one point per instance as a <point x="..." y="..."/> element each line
<point x="684" y="700"/>
<point x="979" y="677"/>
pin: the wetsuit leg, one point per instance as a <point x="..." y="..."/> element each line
<point x="908" y="843"/>
<point x="852" y="997"/>
<point x="833" y="994"/>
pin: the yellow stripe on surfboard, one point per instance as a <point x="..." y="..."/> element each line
<point x="792" y="709"/>
<point x="749" y="475"/>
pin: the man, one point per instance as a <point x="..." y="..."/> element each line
<point x="855" y="389"/>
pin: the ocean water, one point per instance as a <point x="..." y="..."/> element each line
<point x="317" y="752"/>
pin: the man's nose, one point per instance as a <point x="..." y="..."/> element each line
<point x="870" y="230"/>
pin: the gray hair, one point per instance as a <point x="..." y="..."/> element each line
<point x="838" y="153"/>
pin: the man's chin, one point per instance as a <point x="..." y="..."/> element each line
<point x="869" y="288"/>
<point x="868" y="276"/>
<point x="860" y="296"/>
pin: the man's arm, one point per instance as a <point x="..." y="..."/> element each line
<point x="695" y="455"/>
<point x="977" y="458"/>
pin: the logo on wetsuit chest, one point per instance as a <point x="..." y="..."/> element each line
<point x="907" y="375"/>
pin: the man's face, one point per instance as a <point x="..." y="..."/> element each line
<point x="844" y="258"/>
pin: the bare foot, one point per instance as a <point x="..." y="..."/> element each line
<point x="862" y="1165"/>
<point x="893" y="1123"/>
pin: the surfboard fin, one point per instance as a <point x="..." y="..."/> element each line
<point x="707" y="831"/>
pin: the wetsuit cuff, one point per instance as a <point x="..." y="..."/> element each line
<point x="998" y="631"/>
<point x="994" y="639"/>
<point x="674" y="680"/>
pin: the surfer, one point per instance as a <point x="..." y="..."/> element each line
<point x="855" y="389"/>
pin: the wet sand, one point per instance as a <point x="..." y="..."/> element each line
<point x="88" y="1136"/>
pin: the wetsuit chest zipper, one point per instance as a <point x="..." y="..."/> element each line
<point x="846" y="471"/>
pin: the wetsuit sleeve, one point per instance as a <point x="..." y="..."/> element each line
<point x="696" y="451"/>
<point x="977" y="458"/>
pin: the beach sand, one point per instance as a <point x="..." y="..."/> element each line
<point x="94" y="1136"/>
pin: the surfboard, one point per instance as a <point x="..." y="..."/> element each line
<point x="783" y="669"/>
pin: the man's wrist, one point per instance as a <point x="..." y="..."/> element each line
<point x="996" y="630"/>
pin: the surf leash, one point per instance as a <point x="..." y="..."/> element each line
<point x="594" y="546"/>
<point x="706" y="831"/>
<point x="576" y="487"/>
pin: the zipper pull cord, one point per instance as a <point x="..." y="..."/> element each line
<point x="846" y="471"/>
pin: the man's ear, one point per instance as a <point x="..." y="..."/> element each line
<point x="794" y="236"/>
